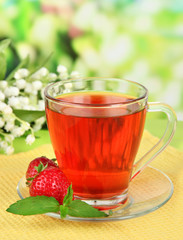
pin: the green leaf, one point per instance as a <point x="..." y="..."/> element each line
<point x="77" y="208"/>
<point x="4" y="44"/>
<point x="110" y="212"/>
<point x="22" y="64"/>
<point x="28" y="115"/>
<point x="63" y="211"/>
<point x="41" y="167"/>
<point x="34" y="205"/>
<point x="29" y="181"/>
<point x="54" y="159"/>
<point x="3" y="66"/>
<point x="41" y="64"/>
<point x="69" y="196"/>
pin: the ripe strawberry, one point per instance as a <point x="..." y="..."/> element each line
<point x="51" y="182"/>
<point x="31" y="171"/>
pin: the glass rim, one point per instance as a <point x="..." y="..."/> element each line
<point x="61" y="101"/>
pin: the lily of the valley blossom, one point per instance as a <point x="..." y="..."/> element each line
<point x="11" y="127"/>
<point x="26" y="91"/>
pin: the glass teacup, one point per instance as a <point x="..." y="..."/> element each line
<point x="95" y="126"/>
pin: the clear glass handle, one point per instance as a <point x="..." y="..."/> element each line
<point x="163" y="142"/>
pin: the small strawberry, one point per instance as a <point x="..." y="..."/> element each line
<point x="32" y="169"/>
<point x="51" y="182"/>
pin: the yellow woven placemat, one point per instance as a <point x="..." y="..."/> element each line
<point x="165" y="223"/>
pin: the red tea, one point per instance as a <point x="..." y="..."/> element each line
<point x="95" y="146"/>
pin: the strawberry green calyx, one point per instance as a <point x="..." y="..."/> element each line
<point x="54" y="159"/>
<point x="39" y="169"/>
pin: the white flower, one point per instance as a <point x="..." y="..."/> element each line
<point x="9" y="126"/>
<point x="75" y="74"/>
<point x="79" y="84"/>
<point x="7" y="110"/>
<point x="61" y="69"/>
<point x="2" y="122"/>
<point x="37" y="85"/>
<point x="30" y="139"/>
<point x="63" y="76"/>
<point x="2" y="106"/>
<point x="40" y="120"/>
<point x="3" y="144"/>
<point x="66" y="90"/>
<point x="14" y="102"/>
<point x="2" y="96"/>
<point x="26" y="107"/>
<point x="42" y="72"/>
<point x="20" y="83"/>
<point x="42" y="92"/>
<point x="34" y="92"/>
<point x="180" y="116"/>
<point x="9" y="117"/>
<point x="28" y="88"/>
<point x="25" y="126"/>
<point x="9" y="150"/>
<point x="41" y="105"/>
<point x="9" y="138"/>
<point x="37" y="127"/>
<point x="56" y="90"/>
<point x="11" y="91"/>
<point x="68" y="85"/>
<point x="39" y="123"/>
<point x="21" y="73"/>
<point x="23" y="100"/>
<point x="3" y="84"/>
<point x="29" y="107"/>
<point x="52" y="76"/>
<point x="18" y="131"/>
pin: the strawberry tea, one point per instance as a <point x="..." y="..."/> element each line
<point x="95" y="136"/>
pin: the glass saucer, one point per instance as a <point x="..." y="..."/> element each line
<point x="148" y="191"/>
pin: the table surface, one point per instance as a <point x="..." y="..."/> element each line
<point x="155" y="126"/>
<point x="163" y="224"/>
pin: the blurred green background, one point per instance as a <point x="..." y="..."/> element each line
<point x="140" y="40"/>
